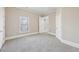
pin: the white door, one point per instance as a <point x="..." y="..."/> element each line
<point x="2" y="26"/>
<point x="43" y="24"/>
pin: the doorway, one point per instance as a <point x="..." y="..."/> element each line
<point x="43" y="24"/>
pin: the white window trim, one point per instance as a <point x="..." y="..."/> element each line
<point x="20" y="24"/>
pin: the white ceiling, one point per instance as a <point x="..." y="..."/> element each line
<point x="42" y="11"/>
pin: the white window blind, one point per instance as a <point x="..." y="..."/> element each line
<point x="24" y="24"/>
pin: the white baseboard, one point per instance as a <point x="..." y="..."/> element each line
<point x="22" y="35"/>
<point x="51" y="33"/>
<point x="69" y="42"/>
<point x="62" y="40"/>
<point x="2" y="44"/>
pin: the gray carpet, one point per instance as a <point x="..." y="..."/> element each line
<point x="37" y="43"/>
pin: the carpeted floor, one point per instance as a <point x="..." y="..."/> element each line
<point x="37" y="43"/>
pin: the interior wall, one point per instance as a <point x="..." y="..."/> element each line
<point x="70" y="24"/>
<point x="52" y="23"/>
<point x="12" y="21"/>
<point x="59" y="23"/>
<point x="2" y="26"/>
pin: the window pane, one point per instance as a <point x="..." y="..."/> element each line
<point x="24" y="24"/>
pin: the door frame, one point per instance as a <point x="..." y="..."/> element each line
<point x="40" y="24"/>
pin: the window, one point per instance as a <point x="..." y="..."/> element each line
<point x="24" y="24"/>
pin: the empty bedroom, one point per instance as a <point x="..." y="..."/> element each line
<point x="39" y="29"/>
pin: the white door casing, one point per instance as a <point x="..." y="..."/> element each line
<point x="2" y="26"/>
<point x="59" y="23"/>
<point x="43" y="24"/>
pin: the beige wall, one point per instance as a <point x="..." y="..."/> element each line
<point x="52" y="23"/>
<point x="12" y="21"/>
<point x="70" y="24"/>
